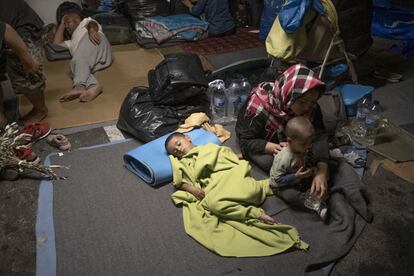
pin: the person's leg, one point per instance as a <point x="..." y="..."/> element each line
<point x="3" y="71"/>
<point x="80" y="73"/>
<point x="103" y="60"/>
<point x="87" y="59"/>
<point x="32" y="87"/>
<point x="3" y="119"/>
<point x="263" y="161"/>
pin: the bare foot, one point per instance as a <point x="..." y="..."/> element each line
<point x="266" y="218"/>
<point x="91" y="93"/>
<point x="35" y="116"/>
<point x="74" y="93"/>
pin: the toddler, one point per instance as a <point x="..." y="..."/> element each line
<point x="291" y="174"/>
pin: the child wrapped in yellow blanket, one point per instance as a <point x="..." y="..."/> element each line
<point x="221" y="201"/>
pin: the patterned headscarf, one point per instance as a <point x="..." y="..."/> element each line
<point x="275" y="99"/>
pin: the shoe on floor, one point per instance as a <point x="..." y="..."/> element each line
<point x="37" y="131"/>
<point x="26" y="154"/>
<point x="59" y="141"/>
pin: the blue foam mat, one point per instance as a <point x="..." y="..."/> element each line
<point x="150" y="161"/>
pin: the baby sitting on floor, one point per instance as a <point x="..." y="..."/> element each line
<point x="291" y="174"/>
<point x="199" y="170"/>
<point x="90" y="52"/>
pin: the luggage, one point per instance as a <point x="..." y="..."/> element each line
<point x="115" y="27"/>
<point x="176" y="79"/>
<point x="56" y="52"/>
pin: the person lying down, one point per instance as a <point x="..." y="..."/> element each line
<point x="221" y="201"/>
<point x="90" y="50"/>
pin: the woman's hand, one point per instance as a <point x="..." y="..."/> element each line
<point x="31" y="66"/>
<point x="319" y="185"/>
<point x="187" y="3"/>
<point x="273" y="148"/>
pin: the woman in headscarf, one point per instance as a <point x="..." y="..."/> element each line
<point x="261" y="121"/>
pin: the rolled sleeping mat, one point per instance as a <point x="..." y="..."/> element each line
<point x="150" y="161"/>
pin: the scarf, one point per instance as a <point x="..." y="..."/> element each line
<point x="275" y="99"/>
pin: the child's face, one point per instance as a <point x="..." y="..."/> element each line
<point x="72" y="21"/>
<point x="179" y="146"/>
<point x="300" y="146"/>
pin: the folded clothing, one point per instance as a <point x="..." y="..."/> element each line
<point x="150" y="161"/>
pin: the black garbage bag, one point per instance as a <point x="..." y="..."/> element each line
<point x="175" y="79"/>
<point x="136" y="10"/>
<point x="146" y="121"/>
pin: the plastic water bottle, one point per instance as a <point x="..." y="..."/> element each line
<point x="312" y="202"/>
<point x="364" y="106"/>
<point x="216" y="93"/>
<point x="233" y="100"/>
<point x="372" y="121"/>
<point x="244" y="91"/>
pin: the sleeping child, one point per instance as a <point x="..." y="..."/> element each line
<point x="291" y="174"/>
<point x="204" y="177"/>
<point x="90" y="52"/>
<point x="220" y="201"/>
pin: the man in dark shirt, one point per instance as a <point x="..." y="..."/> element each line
<point x="216" y="13"/>
<point x="17" y="18"/>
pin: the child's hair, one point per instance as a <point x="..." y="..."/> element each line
<point x="67" y="8"/>
<point x="299" y="128"/>
<point x="167" y="141"/>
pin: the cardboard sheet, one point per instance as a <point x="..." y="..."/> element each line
<point x="130" y="67"/>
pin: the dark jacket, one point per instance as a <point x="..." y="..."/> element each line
<point x="251" y="132"/>
<point x="217" y="14"/>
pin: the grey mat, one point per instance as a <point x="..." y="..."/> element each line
<point x="397" y="101"/>
<point x="221" y="60"/>
<point x="386" y="246"/>
<point x="108" y="222"/>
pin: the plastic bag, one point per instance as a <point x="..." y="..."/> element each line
<point x="270" y="11"/>
<point x="177" y="78"/>
<point x="292" y="13"/>
<point x="146" y="121"/>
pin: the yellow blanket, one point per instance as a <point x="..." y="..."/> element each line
<point x="225" y="221"/>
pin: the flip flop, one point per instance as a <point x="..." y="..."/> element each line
<point x="386" y="75"/>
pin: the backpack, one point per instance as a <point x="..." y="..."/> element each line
<point x="333" y="108"/>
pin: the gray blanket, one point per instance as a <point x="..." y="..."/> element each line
<point x="109" y="222"/>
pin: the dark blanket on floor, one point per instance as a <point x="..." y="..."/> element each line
<point x="109" y="222"/>
<point x="243" y="39"/>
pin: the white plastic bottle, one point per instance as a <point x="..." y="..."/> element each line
<point x="216" y="93"/>
<point x="244" y="91"/>
<point x="233" y="100"/>
<point x="372" y="123"/>
<point x="364" y="106"/>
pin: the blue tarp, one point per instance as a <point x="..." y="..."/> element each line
<point x="394" y="23"/>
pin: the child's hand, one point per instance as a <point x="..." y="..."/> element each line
<point x="63" y="19"/>
<point x="301" y="173"/>
<point x="266" y="218"/>
<point x="94" y="36"/>
<point x="198" y="193"/>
